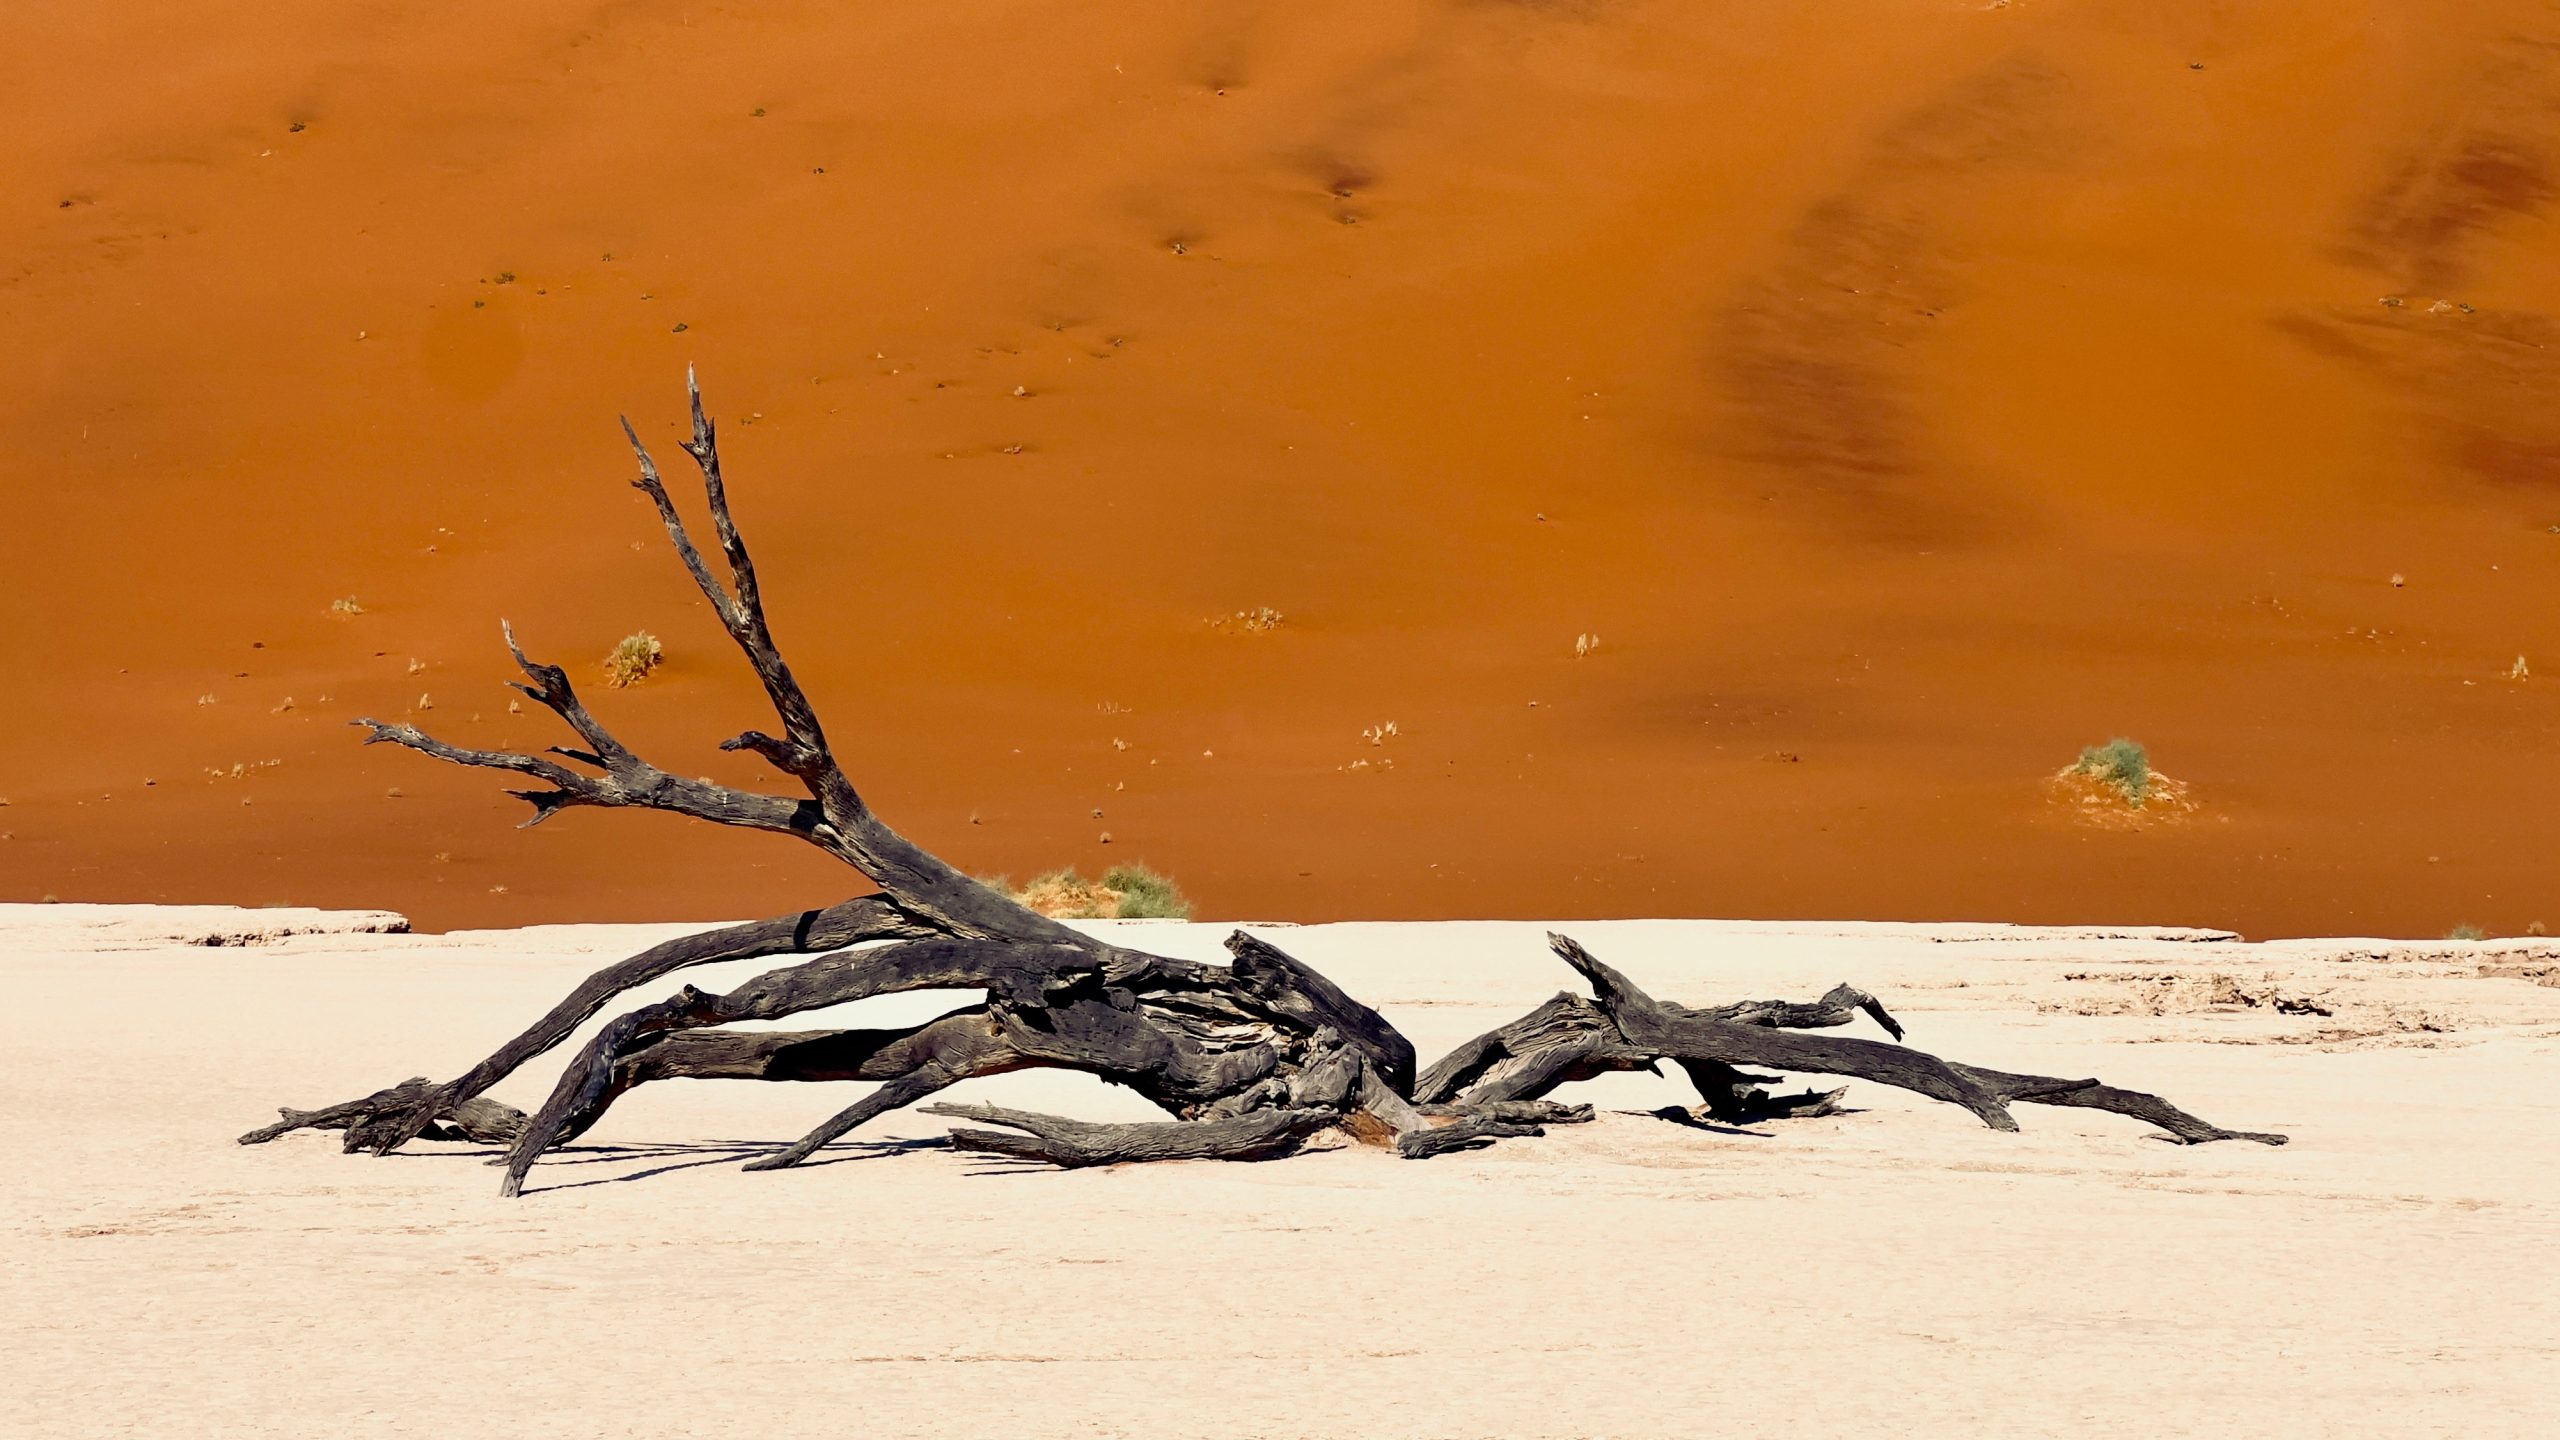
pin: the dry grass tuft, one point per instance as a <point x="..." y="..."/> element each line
<point x="1125" y="892"/>
<point x="633" y="659"/>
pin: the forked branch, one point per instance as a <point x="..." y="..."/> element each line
<point x="801" y="750"/>
<point x="622" y="778"/>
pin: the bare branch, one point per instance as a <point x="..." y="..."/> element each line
<point x="1648" y="1024"/>
<point x="705" y="451"/>
<point x="1075" y="1144"/>
<point x="803" y="753"/>
<point x="628" y="782"/>
<point x="655" y="488"/>
<point x="389" y="1119"/>
<point x="552" y="690"/>
<point x="2090" y="1095"/>
<point x="790" y="757"/>
<point x="1023" y="974"/>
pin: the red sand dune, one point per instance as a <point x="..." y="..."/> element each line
<point x="1917" y="390"/>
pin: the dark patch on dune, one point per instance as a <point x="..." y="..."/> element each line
<point x="2482" y="385"/>
<point x="1813" y="353"/>
<point x="1219" y="57"/>
<point x="2477" y="174"/>
<point x="2482" y="388"/>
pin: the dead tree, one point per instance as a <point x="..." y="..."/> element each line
<point x="1249" y="1059"/>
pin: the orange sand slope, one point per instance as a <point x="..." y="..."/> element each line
<point x="1893" y="1270"/>
<point x="1906" y="394"/>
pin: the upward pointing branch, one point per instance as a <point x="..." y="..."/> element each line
<point x="925" y="888"/>
<point x="801" y="750"/>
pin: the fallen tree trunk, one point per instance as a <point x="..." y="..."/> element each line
<point x="1249" y="1059"/>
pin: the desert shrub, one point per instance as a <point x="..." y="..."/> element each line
<point x="1146" y="895"/>
<point x="631" y="661"/>
<point x="2121" y="763"/>
<point x="1125" y="892"/>
<point x="2466" y="931"/>
<point x="1066" y="895"/>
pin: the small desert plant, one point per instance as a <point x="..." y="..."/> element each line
<point x="1125" y="892"/>
<point x="1066" y="895"/>
<point x="633" y="659"/>
<point x="345" y="605"/>
<point x="2466" y="931"/>
<point x="2121" y="763"/>
<point x="1146" y="895"/>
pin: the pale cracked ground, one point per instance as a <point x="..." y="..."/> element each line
<point x="1893" y="1269"/>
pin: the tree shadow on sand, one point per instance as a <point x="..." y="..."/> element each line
<point x="679" y="1155"/>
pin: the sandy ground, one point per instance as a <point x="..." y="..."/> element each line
<point x="1907" y="392"/>
<point x="1891" y="1270"/>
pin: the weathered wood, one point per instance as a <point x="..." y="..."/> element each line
<point x="960" y="1045"/>
<point x="1739" y="1099"/>
<point x="1022" y="973"/>
<point x="2090" y="1095"/>
<point x="1297" y="992"/>
<point x="1472" y="1132"/>
<point x="1710" y="1049"/>
<point x="385" y="1121"/>
<point x="1077" y="1144"/>
<point x="1841" y="1005"/>
<point x="1526" y="1112"/>
<point x="1566" y="1039"/>
<point x="1650" y="1025"/>
<point x="482" y="1120"/>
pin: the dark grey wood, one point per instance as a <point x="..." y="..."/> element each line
<point x="1566" y="1039"/>
<point x="481" y="1120"/>
<point x="388" y="1119"/>
<point x="2090" y="1095"/>
<point x="1020" y="973"/>
<point x="1077" y="1144"/>
<point x="1297" y="992"/>
<point x="914" y="1062"/>
<point x="1711" y="1047"/>
<point x="1841" y="1005"/>
<point x="1689" y="1034"/>
<point x="1470" y="1132"/>
<point x="1740" y="1099"/>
